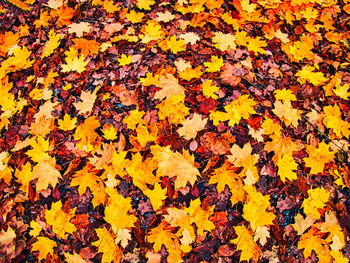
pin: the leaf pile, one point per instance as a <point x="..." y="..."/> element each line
<point x="174" y="131"/>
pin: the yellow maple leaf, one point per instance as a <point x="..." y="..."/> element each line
<point x="190" y="127"/>
<point x="337" y="255"/>
<point x="86" y="178"/>
<point x="144" y="136"/>
<point x="282" y="145"/>
<point x="145" y="4"/>
<point x="213" y="4"/>
<point x="240" y="108"/>
<point x="225" y="175"/>
<point x="287" y="113"/>
<point x="24" y="176"/>
<point x="245" y="243"/>
<point x="191" y="73"/>
<point x="317" y="199"/>
<point x="255" y="209"/>
<point x="109" y="132"/>
<point x="336" y="233"/>
<point x="175" y="45"/>
<point x="51" y="44"/>
<point x="150" y="79"/>
<point x="176" y="217"/>
<point x="106" y="245"/>
<point x="307" y="74"/>
<point x="309" y="13"/>
<point x="299" y="50"/>
<point x="169" y="85"/>
<point x="342" y="91"/>
<point x="209" y="89"/>
<point x="45" y="246"/>
<point x="5" y="170"/>
<point x="333" y="120"/>
<point x="286" y="167"/>
<point x="162" y="235"/>
<point x="125" y="60"/>
<point x="43" y="20"/>
<point x="173" y="109"/>
<point x="312" y="241"/>
<point x="87" y="101"/>
<point x="141" y="171"/>
<point x="116" y="211"/>
<point x="36" y="228"/>
<point x="67" y="123"/>
<point x="41" y="171"/>
<point x="200" y="216"/>
<point x="175" y="164"/>
<point x="134" y="118"/>
<point x="18" y="59"/>
<point x="246" y="6"/>
<point x="7" y="99"/>
<point x="156" y="196"/>
<point x="284" y="94"/>
<point x="60" y="220"/>
<point x="215" y="64"/>
<point x="151" y="30"/>
<point x="223" y="42"/>
<point x="135" y="17"/>
<point x="256" y="45"/>
<point x="85" y="132"/>
<point x="77" y="64"/>
<point x="318" y="157"/>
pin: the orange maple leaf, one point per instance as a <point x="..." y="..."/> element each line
<point x="64" y="15"/>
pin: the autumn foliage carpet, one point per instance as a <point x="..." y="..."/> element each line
<point x="174" y="131"/>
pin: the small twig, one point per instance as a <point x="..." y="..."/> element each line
<point x="323" y="134"/>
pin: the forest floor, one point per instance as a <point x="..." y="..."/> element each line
<point x="174" y="131"/>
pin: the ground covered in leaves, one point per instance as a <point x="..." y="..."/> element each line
<point x="174" y="131"/>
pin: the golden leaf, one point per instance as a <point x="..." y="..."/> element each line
<point x="245" y="243"/>
<point x="169" y="85"/>
<point x="67" y="123"/>
<point x="77" y="64"/>
<point x="156" y="196"/>
<point x="87" y="101"/>
<point x="46" y="173"/>
<point x="86" y="178"/>
<point x="255" y="209"/>
<point x="175" y="164"/>
<point x="106" y="245"/>
<point x="190" y="127"/>
<point x="116" y="212"/>
<point x="286" y="167"/>
<point x="317" y="199"/>
<point x="45" y="246"/>
<point x="301" y="224"/>
<point x="51" y="44"/>
<point x="200" y="216"/>
<point x="60" y="220"/>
